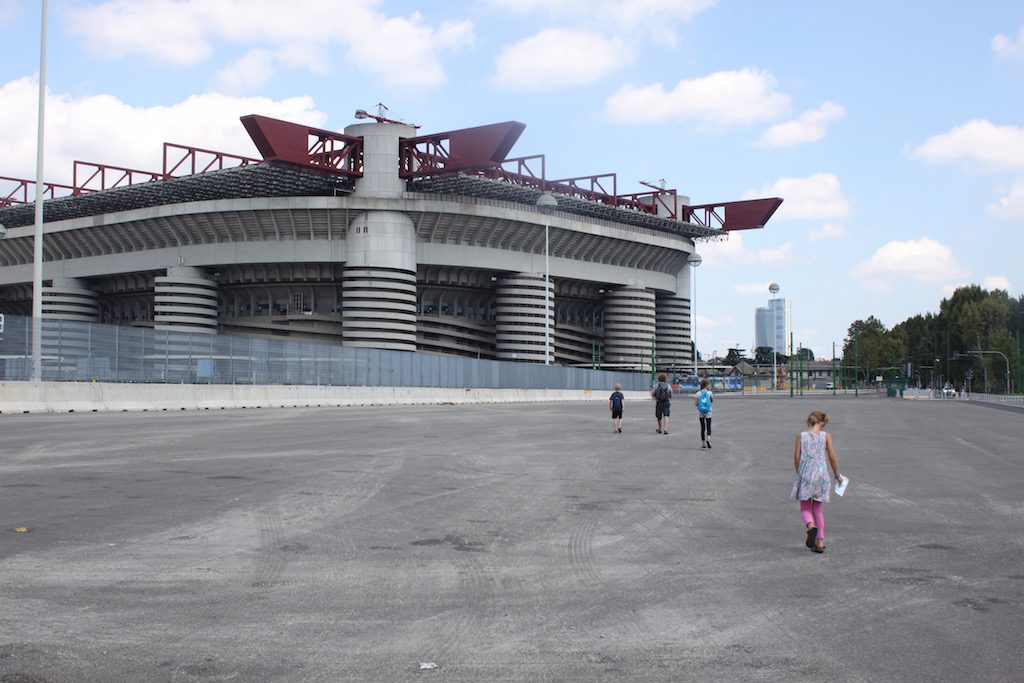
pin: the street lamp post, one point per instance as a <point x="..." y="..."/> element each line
<point x="856" y="370"/>
<point x="856" y="366"/>
<point x="694" y="260"/>
<point x="833" y="368"/>
<point x="991" y="353"/>
<point x="37" y="260"/>
<point x="546" y="203"/>
<point x="774" y="289"/>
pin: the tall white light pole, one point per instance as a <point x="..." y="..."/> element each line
<point x="774" y="289"/>
<point x="694" y="260"/>
<point x="37" y="261"/>
<point x="546" y="203"/>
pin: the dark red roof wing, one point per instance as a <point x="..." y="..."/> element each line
<point x="746" y="214"/>
<point x="326" y="150"/>
<point x="457" y="150"/>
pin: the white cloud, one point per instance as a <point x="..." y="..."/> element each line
<point x="404" y="51"/>
<point x="8" y="10"/>
<point x="400" y="50"/>
<point x="780" y="254"/>
<point x="653" y="18"/>
<point x="627" y="11"/>
<point x="555" y="58"/>
<point x="1008" y="48"/>
<point x="808" y="127"/>
<point x="751" y="288"/>
<point x="993" y="282"/>
<point x="734" y="251"/>
<point x="248" y="73"/>
<point x="316" y="58"/>
<point x="727" y="252"/>
<point x="163" y="30"/>
<point x="1011" y="206"/>
<point x="104" y="129"/>
<point x="716" y="101"/>
<point x="816" y="196"/>
<point x="706" y="323"/>
<point x="827" y="233"/>
<point x="979" y="142"/>
<point x="923" y="260"/>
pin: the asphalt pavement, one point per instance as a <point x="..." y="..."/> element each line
<point x="509" y="543"/>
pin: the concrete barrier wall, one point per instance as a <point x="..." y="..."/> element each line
<point x="66" y="397"/>
<point x="1011" y="401"/>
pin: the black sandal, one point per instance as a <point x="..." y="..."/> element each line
<point x="812" y="537"/>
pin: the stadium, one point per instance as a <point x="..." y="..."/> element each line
<point x="378" y="237"/>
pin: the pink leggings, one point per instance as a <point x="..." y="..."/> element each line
<point x="810" y="510"/>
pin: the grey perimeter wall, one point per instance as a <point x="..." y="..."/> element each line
<point x="97" y="353"/>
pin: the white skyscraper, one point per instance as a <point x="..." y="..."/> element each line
<point x="772" y="326"/>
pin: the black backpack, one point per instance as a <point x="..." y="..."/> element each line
<point x="661" y="392"/>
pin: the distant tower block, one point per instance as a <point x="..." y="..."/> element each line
<point x="521" y="305"/>
<point x="70" y="300"/>
<point x="185" y="300"/>
<point x="673" y="346"/>
<point x="629" y="326"/>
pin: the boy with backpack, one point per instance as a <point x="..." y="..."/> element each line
<point x="662" y="395"/>
<point x="702" y="401"/>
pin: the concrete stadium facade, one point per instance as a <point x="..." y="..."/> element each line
<point x="381" y="263"/>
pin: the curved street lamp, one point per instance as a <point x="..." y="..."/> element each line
<point x="546" y="203"/>
<point x="694" y="260"/>
<point x="37" y="247"/>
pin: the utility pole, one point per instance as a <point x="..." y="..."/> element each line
<point x="833" y="368"/>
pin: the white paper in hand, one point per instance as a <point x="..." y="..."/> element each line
<point x="841" y="485"/>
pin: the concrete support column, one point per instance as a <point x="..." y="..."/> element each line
<point x="521" y="304"/>
<point x="66" y="340"/>
<point x="70" y="299"/>
<point x="673" y="346"/>
<point x="185" y="300"/>
<point x="378" y="289"/>
<point x="629" y="326"/>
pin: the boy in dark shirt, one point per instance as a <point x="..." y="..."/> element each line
<point x="615" y="402"/>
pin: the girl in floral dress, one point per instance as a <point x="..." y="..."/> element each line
<point x="812" y="483"/>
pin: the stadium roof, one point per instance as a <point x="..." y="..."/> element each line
<point x="285" y="180"/>
<point x="302" y="161"/>
<point x="260" y="180"/>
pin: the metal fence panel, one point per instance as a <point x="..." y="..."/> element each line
<point x="79" y="351"/>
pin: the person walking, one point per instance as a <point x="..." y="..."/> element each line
<point x="702" y="401"/>
<point x="615" y="402"/>
<point x="662" y="395"/>
<point x="811" y="488"/>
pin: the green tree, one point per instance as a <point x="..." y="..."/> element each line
<point x="863" y="345"/>
<point x="943" y="347"/>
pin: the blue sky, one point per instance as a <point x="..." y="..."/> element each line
<point x="894" y="131"/>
